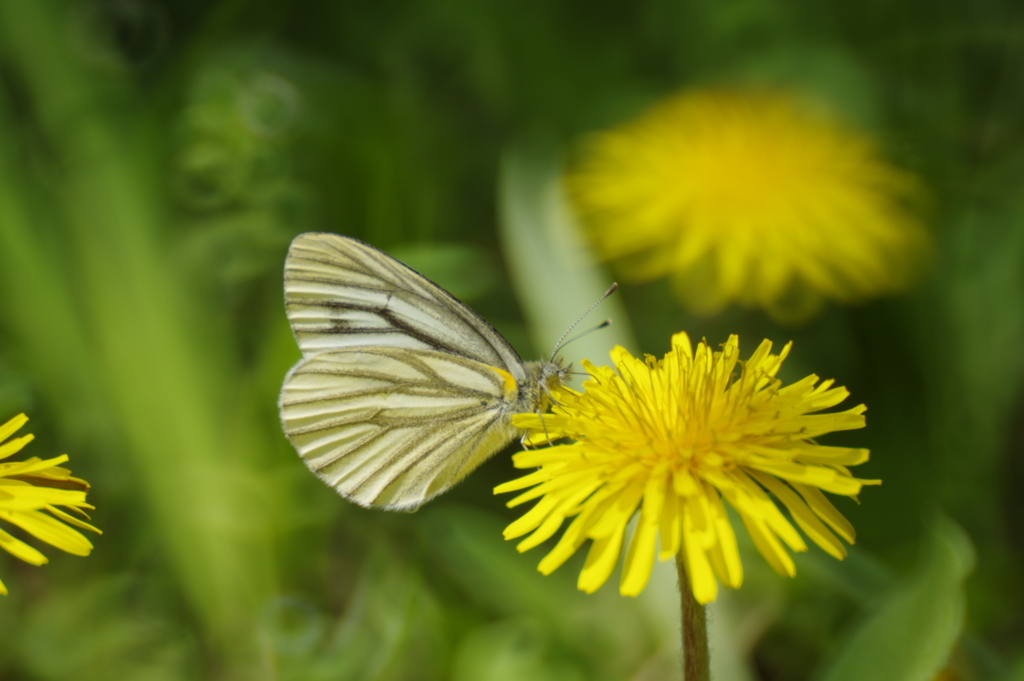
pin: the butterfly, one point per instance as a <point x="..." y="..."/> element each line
<point x="402" y="390"/>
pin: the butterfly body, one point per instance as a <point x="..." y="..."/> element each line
<point x="402" y="389"/>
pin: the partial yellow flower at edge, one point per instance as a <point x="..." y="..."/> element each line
<point x="674" y="441"/>
<point x="749" y="197"/>
<point x="31" y="492"/>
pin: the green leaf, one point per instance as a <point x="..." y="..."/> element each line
<point x="911" y="636"/>
<point x="1017" y="673"/>
<point x="465" y="271"/>
<point x="510" y="650"/>
<point x="607" y="634"/>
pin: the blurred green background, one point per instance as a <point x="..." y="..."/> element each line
<point x="157" y="157"/>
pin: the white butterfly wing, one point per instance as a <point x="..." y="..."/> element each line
<point x="400" y="393"/>
<point x="341" y="292"/>
<point x="393" y="427"/>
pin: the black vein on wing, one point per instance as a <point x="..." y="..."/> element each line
<point x="398" y="325"/>
<point x="481" y="427"/>
<point x="469" y="450"/>
<point x="400" y="272"/>
<point x="407" y="387"/>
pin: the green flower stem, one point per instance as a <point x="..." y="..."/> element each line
<point x="696" y="658"/>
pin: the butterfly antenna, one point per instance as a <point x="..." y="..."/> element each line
<point x="559" y="345"/>
<point x="606" y="323"/>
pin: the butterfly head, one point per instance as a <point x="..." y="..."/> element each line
<point x="545" y="379"/>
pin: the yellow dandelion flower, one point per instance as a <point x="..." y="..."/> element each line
<point x="751" y="198"/>
<point x="672" y="439"/>
<point x="31" y="491"/>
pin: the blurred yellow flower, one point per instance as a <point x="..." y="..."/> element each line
<point x="751" y="198"/>
<point x="30" y="492"/>
<point x="671" y="438"/>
